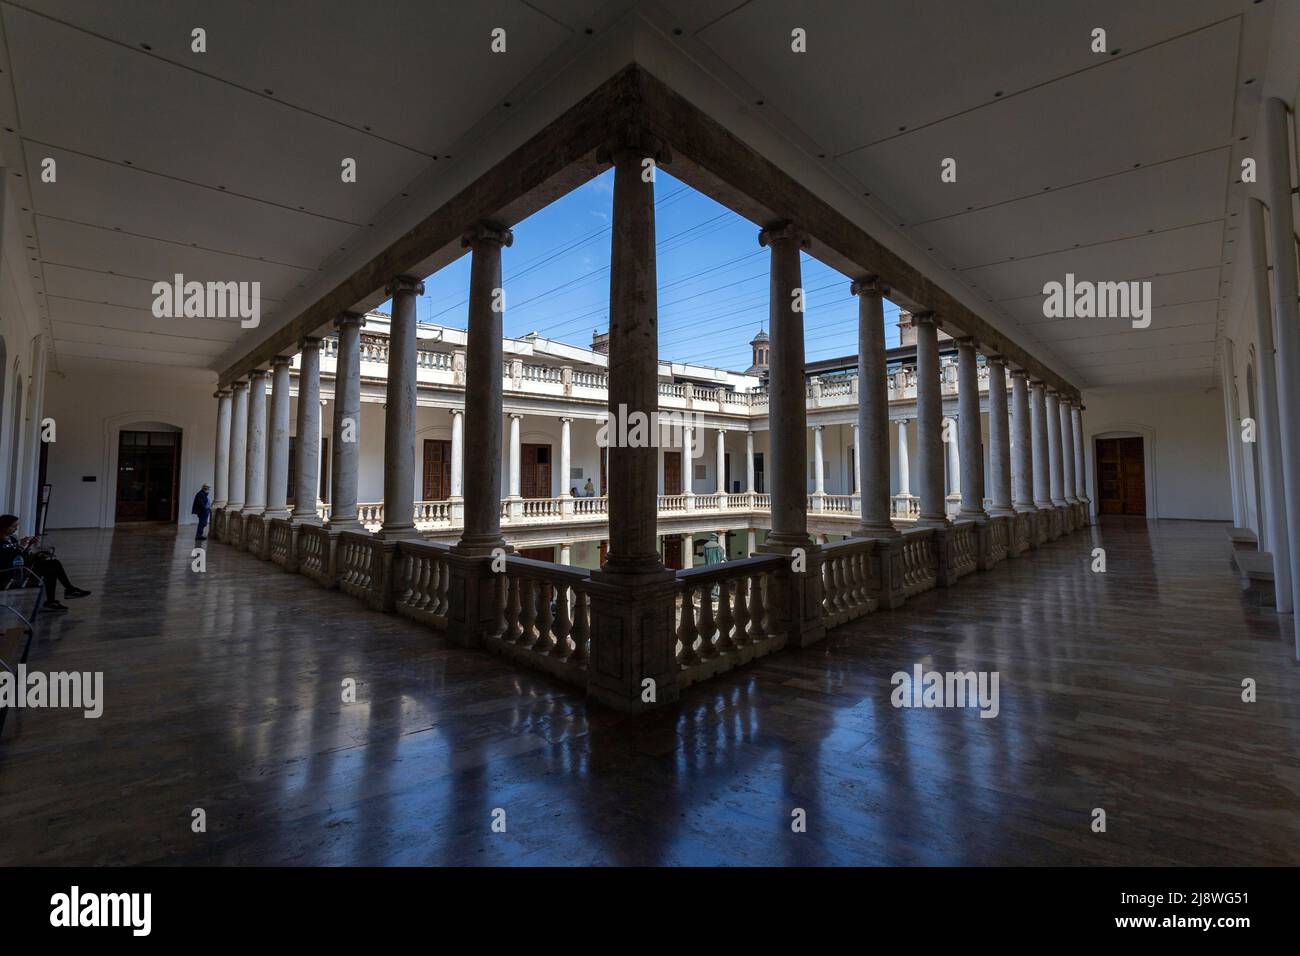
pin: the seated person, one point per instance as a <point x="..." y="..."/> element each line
<point x="16" y="552"/>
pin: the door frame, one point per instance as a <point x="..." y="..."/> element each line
<point x="190" y="475"/>
<point x="1123" y="430"/>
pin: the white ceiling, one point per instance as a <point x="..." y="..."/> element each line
<point x="225" y="165"/>
<point x="1110" y="167"/>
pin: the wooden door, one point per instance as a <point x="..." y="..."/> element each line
<point x="673" y="552"/>
<point x="604" y="552"/>
<point x="535" y="471"/>
<point x="437" y="470"/>
<point x="672" y="473"/>
<point x="603" y="461"/>
<point x="148" y="470"/>
<point x="1121" y="477"/>
<point x="538" y="554"/>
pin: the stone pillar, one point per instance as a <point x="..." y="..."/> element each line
<point x="307" y="467"/>
<point x="399" y="411"/>
<point x="1042" y="477"/>
<point x="904" y="477"/>
<point x="1277" y="534"/>
<point x="1055" y="473"/>
<point x="819" y="467"/>
<point x="749" y="462"/>
<point x="238" y="465"/>
<point x="929" y="420"/>
<point x="565" y="557"/>
<point x="221" y="463"/>
<point x="1022" y="470"/>
<point x="721" y="466"/>
<point x="787" y="411"/>
<point x="871" y="433"/>
<point x="277" y="471"/>
<point x="457" y="455"/>
<point x="255" y="471"/>
<point x="566" y="496"/>
<point x="999" y="437"/>
<point x="633" y="598"/>
<point x="483" y="386"/>
<point x="751" y="541"/>
<point x="345" y="455"/>
<point x="972" y="459"/>
<point x="516" y="452"/>
<point x="1080" y="466"/>
<point x="952" y="453"/>
<point x="1067" y="452"/>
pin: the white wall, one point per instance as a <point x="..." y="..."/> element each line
<point x="91" y="403"/>
<point x="1185" y="443"/>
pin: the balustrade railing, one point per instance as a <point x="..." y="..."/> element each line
<point x="255" y="535"/>
<point x="433" y="514"/>
<point x="708" y="502"/>
<point x="421" y="582"/>
<point x="672" y="502"/>
<point x="963" y="549"/>
<point x="278" y="539"/>
<point x="920" y="561"/>
<point x="589" y="507"/>
<point x="847" y="580"/>
<point x="725" y="615"/>
<point x="358" y="569"/>
<point x="545" y="616"/>
<point x="314" y="554"/>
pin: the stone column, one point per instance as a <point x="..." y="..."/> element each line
<point x="787" y="393"/>
<point x="238" y="466"/>
<point x="255" y="471"/>
<point x="952" y="452"/>
<point x="457" y="455"/>
<point x="1277" y="183"/>
<point x="1042" y="476"/>
<point x="1276" y="537"/>
<point x="751" y="541"/>
<point x="819" y="468"/>
<point x="972" y="459"/>
<point x="483" y="386"/>
<point x="721" y="466"/>
<point x="688" y="469"/>
<point x="1054" y="469"/>
<point x="565" y="556"/>
<point x="1022" y="470"/>
<point x="1067" y="452"/>
<point x="929" y="420"/>
<point x="904" y="477"/>
<point x="307" y="467"/>
<point x="871" y="438"/>
<point x="221" y="463"/>
<point x="399" y="411"/>
<point x="515" y="499"/>
<point x="277" y="454"/>
<point x="345" y="455"/>
<point x="749" y="462"/>
<point x="999" y="437"/>
<point x="566" y="497"/>
<point x="1080" y="468"/>
<point x="633" y="618"/>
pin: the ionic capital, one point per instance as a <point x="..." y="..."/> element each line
<point x="308" y="342"/>
<point x="783" y="232"/>
<point x="410" y="284"/>
<point x="487" y="233"/>
<point x="925" y="317"/>
<point x="635" y="144"/>
<point x="868" y="285"/>
<point x="350" y="320"/>
<point x="281" y="360"/>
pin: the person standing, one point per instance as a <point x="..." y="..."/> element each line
<point x="203" y="508"/>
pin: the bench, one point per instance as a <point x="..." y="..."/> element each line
<point x="1256" y="569"/>
<point x="21" y="593"/>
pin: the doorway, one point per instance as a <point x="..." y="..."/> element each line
<point x="534" y="471"/>
<point x="148" y="472"/>
<point x="1121" y="477"/>
<point x="672" y="473"/>
<point x="437" y="470"/>
<point x="673" y="551"/>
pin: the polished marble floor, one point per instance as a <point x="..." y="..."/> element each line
<point x="1119" y="691"/>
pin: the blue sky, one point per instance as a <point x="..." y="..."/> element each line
<point x="712" y="280"/>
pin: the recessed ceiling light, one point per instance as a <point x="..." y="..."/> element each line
<point x="1115" y="52"/>
<point x="678" y="31"/>
<point x="145" y="46"/>
<point x="998" y="93"/>
<point x="269" y="92"/>
<point x="902" y="128"/>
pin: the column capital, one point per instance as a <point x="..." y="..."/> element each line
<point x="308" y="342"/>
<point x="456" y="411"/>
<point x="281" y="360"/>
<point x="901" y="421"/>
<point x="221" y="393"/>
<point x="924" y="317"/>
<point x="868" y="285"/>
<point x="349" y="320"/>
<point x="783" y="232"/>
<point x="405" y="284"/>
<point x="257" y="373"/>
<point x="566" y="419"/>
<point x="483" y="233"/>
<point x="236" y="386"/>
<point x="995" y="358"/>
<point x="817" y="428"/>
<point x="966" y="342"/>
<point x="516" y="415"/>
<point x="637" y="143"/>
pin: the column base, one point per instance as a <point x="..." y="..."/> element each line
<point x="633" y="666"/>
<point x="797" y="605"/>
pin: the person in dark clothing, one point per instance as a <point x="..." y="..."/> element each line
<point x="203" y="508"/>
<point x="16" y="553"/>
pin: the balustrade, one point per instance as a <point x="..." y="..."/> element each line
<point x="847" y="580"/>
<point x="279" y="538"/>
<point x="963" y="549"/>
<point x="725" y="615"/>
<point x="314" y="554"/>
<point x="421" y="582"/>
<point x="357" y="565"/>
<point x="544" y="616"/>
<point x="920" y="561"/>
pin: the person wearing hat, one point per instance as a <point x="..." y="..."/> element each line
<point x="203" y="508"/>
